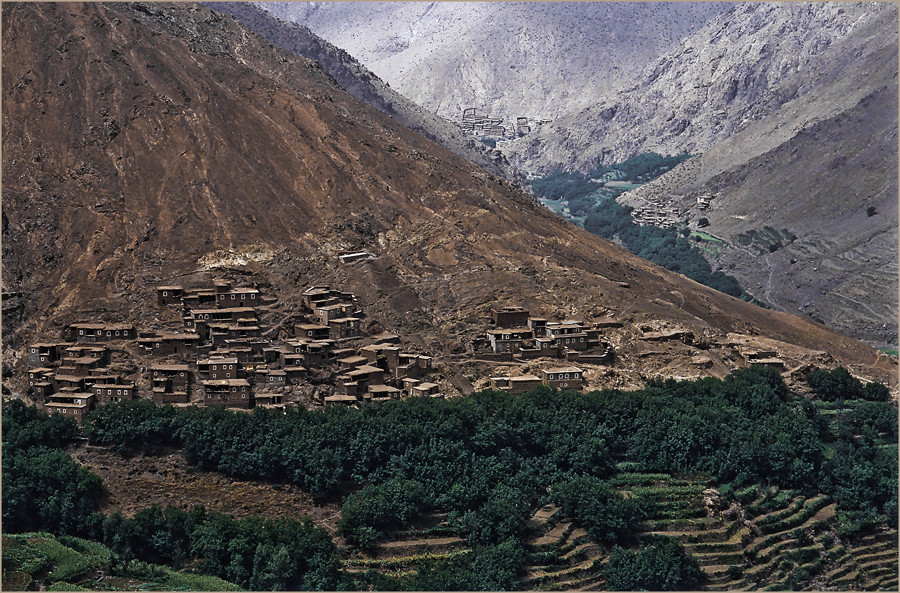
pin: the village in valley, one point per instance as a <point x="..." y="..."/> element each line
<point x="232" y="349"/>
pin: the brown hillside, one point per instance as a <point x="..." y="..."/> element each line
<point x="142" y="142"/>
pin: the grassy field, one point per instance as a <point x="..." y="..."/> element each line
<point x="41" y="560"/>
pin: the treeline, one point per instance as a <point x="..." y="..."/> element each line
<point x="573" y="185"/>
<point x="45" y="490"/>
<point x="427" y="454"/>
<point x="588" y="196"/>
<point x="665" y="247"/>
<point x="487" y="461"/>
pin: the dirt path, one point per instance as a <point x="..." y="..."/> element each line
<point x="136" y="483"/>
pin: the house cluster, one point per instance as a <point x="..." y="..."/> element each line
<point x="518" y="334"/>
<point x="560" y="378"/>
<point x="225" y="357"/>
<point x="659" y="211"/>
<point x="72" y="376"/>
<point x="479" y="123"/>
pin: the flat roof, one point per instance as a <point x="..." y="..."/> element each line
<point x="230" y="310"/>
<point x="426" y="386"/>
<point x="112" y="385"/>
<point x="173" y="287"/>
<point x="169" y="367"/>
<point x="226" y="383"/>
<point x="218" y="360"/>
<point x="383" y="389"/>
<point x="564" y="370"/>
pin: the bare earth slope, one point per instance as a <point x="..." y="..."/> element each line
<point x="143" y="142"/>
<point x="365" y="86"/>
<point x="532" y="59"/>
<point x="738" y="69"/>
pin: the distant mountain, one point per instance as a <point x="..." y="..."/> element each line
<point x="739" y="68"/>
<point x="365" y="86"/>
<point x="509" y="59"/>
<point x="822" y="174"/>
<point x="146" y="144"/>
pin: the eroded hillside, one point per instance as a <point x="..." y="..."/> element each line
<point x="148" y="143"/>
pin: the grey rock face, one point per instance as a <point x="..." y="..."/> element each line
<point x="739" y="68"/>
<point x="537" y="60"/>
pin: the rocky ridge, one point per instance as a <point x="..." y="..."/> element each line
<point x="533" y="59"/>
<point x="736" y="70"/>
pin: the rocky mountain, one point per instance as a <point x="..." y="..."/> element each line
<point x="532" y="59"/>
<point x="365" y="86"/>
<point x="149" y="143"/>
<point x="736" y="70"/>
<point x="806" y="201"/>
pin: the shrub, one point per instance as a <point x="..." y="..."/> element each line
<point x="660" y="565"/>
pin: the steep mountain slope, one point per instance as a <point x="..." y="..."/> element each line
<point x="536" y="60"/>
<point x="365" y="86"/>
<point x="149" y="143"/>
<point x="814" y="169"/>
<point x="736" y="70"/>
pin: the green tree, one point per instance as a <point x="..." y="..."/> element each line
<point x="660" y="565"/>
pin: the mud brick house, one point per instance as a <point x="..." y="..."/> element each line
<point x="290" y="359"/>
<point x="568" y="334"/>
<point x="84" y="351"/>
<point x="62" y="382"/>
<point x="294" y="374"/>
<point x="539" y="326"/>
<point x="171" y="377"/>
<point x="237" y="297"/>
<point x="323" y="296"/>
<point x="387" y="356"/>
<point x="171" y="344"/>
<point x="382" y="393"/>
<point x="217" y="368"/>
<point x="563" y="377"/>
<point x="542" y="347"/>
<point x="276" y="378"/>
<point x="312" y="331"/>
<point x="74" y="405"/>
<point x="425" y="390"/>
<point x="38" y="375"/>
<point x="515" y="385"/>
<point x="230" y="393"/>
<point x="100" y="376"/>
<point x="44" y="353"/>
<point x="112" y="392"/>
<point x="81" y="366"/>
<point x="100" y="332"/>
<point x="169" y="295"/>
<point x="366" y="375"/>
<point x="336" y="311"/>
<point x="197" y="298"/>
<point x="509" y="317"/>
<point x="412" y="365"/>
<point x="341" y="400"/>
<point x="509" y="339"/>
<point x="244" y="354"/>
<point x="408" y="384"/>
<point x="196" y="317"/>
<point x="84" y="332"/>
<point x="220" y="333"/>
<point x="345" y="327"/>
<point x="268" y="400"/>
<point x="318" y="353"/>
<point x="351" y="362"/>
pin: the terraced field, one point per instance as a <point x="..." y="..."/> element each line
<point x="562" y="555"/>
<point x="402" y="554"/>
<point x="765" y="540"/>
